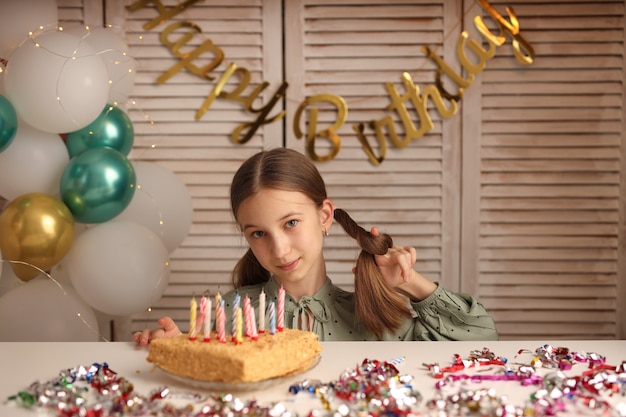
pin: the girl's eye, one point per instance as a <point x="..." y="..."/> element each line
<point x="292" y="223"/>
<point x="257" y="235"/>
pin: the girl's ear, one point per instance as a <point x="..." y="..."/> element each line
<point x="327" y="213"/>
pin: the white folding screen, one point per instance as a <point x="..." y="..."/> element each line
<point x="193" y="139"/>
<point x="354" y="49"/>
<point x="515" y="197"/>
<point x="543" y="163"/>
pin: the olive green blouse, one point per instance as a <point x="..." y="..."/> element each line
<point x="330" y="313"/>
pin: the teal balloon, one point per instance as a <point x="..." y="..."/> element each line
<point x="112" y="129"/>
<point x="8" y="123"/>
<point x="97" y="185"/>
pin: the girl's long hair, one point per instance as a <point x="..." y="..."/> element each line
<point x="379" y="307"/>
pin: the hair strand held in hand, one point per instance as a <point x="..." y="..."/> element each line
<point x="378" y="306"/>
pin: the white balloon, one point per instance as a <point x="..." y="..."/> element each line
<point x="9" y="281"/>
<point x="121" y="66"/>
<point x="57" y="82"/>
<point x="18" y="18"/>
<point x="34" y="162"/>
<point x="119" y="268"/>
<point x="60" y="274"/>
<point x="41" y="311"/>
<point x="161" y="203"/>
<point x="115" y="53"/>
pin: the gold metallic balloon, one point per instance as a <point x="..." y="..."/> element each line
<point x="36" y="232"/>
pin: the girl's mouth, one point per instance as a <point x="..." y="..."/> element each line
<point x="290" y="266"/>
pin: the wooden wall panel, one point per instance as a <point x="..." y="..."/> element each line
<point x="200" y="151"/>
<point x="352" y="49"/>
<point x="517" y="198"/>
<point x="547" y="168"/>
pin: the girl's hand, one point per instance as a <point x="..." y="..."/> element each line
<point x="168" y="330"/>
<point x="396" y="265"/>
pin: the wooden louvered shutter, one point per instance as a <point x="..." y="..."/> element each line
<point x="352" y="48"/>
<point x="517" y="198"/>
<point x="200" y="151"/>
<point x="543" y="175"/>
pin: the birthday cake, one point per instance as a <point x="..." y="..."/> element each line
<point x="284" y="353"/>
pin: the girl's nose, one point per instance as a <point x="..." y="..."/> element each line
<point x="280" y="246"/>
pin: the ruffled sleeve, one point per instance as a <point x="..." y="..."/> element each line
<point x="447" y="315"/>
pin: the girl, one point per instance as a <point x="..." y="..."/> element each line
<point x="278" y="199"/>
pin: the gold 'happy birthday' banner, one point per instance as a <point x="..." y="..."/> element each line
<point x="384" y="128"/>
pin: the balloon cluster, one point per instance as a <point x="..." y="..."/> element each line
<point x="77" y="210"/>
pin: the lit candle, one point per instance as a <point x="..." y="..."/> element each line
<point x="262" y="311"/>
<point x="193" y="307"/>
<point x="272" y="317"/>
<point x="239" y="325"/>
<point x="220" y="319"/>
<point x="207" y="322"/>
<point x="280" y="325"/>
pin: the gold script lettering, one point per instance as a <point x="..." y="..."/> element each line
<point x="359" y="128"/>
<point x="524" y="52"/>
<point x="187" y="58"/>
<point x="164" y="13"/>
<point x="216" y="91"/>
<point x="420" y="105"/>
<point x="236" y="95"/>
<point x="482" y="54"/>
<point x="251" y="128"/>
<point x="335" y="141"/>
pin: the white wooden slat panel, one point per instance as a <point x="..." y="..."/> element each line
<point x="71" y="11"/>
<point x="352" y="48"/>
<point x="550" y="172"/>
<point x="200" y="152"/>
<point x="536" y="230"/>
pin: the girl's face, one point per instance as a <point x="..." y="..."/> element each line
<point x="285" y="232"/>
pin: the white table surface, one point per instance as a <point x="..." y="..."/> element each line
<point x="23" y="363"/>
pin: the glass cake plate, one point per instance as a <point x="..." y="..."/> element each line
<point x="227" y="387"/>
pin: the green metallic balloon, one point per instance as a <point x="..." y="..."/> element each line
<point x="112" y="129"/>
<point x="97" y="185"/>
<point x="8" y="123"/>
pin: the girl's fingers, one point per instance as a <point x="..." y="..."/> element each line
<point x="411" y="259"/>
<point x="142" y="338"/>
<point x="168" y="329"/>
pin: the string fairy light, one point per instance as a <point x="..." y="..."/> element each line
<point x="75" y="114"/>
<point x="78" y="314"/>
